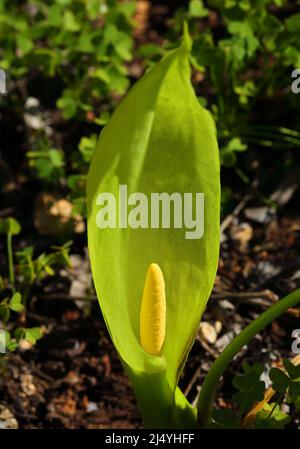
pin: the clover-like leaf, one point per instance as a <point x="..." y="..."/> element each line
<point x="271" y="417"/>
<point x="251" y="388"/>
<point x="280" y="381"/>
<point x="225" y="419"/>
<point x="292" y="370"/>
<point x="15" y="302"/>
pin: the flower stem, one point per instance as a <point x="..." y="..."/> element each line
<point x="212" y="379"/>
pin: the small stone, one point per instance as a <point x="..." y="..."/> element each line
<point x="25" y="345"/>
<point x="27" y="384"/>
<point x="258" y="214"/>
<point x="218" y="326"/>
<point x="208" y="332"/>
<point x="7" y="419"/>
<point x="268" y="270"/>
<point x="92" y="407"/>
<point x="225" y="304"/>
<point x="223" y="341"/>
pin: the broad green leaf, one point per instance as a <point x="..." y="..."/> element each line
<point x="158" y="140"/>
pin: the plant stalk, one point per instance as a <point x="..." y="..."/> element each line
<point x="212" y="379"/>
<point x="10" y="262"/>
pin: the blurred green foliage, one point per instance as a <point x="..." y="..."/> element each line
<point x="85" y="43"/>
<point x="247" y="50"/>
<point x="24" y="272"/>
<point x="80" y="52"/>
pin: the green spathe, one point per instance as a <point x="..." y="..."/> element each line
<point x="158" y="140"/>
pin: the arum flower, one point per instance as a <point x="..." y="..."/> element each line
<point x="153" y="282"/>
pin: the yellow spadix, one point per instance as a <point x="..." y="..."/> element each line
<point x="153" y="311"/>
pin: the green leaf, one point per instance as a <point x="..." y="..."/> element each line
<point x="197" y="9"/>
<point x="33" y="334"/>
<point x="159" y="139"/>
<point x="64" y="2"/>
<point x="15" y="303"/>
<point x="292" y="370"/>
<point x="294" y="390"/>
<point x="293" y="23"/>
<point x="56" y="158"/>
<point x="228" y="156"/>
<point x="24" y="44"/>
<point x="127" y="8"/>
<point x="4" y="312"/>
<point x="54" y="16"/>
<point x="251" y="388"/>
<point x="43" y="167"/>
<point x="70" y="22"/>
<point x="11" y="344"/>
<point x="87" y="147"/>
<point x="225" y="419"/>
<point x="102" y="75"/>
<point x="19" y="333"/>
<point x="271" y="417"/>
<point x="149" y="50"/>
<point x="68" y="104"/>
<point x="103" y="119"/>
<point x="280" y="380"/>
<point x="10" y="226"/>
<point x="85" y="43"/>
<point x="49" y="270"/>
<point x="257" y="368"/>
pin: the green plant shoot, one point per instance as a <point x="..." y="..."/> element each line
<point x="160" y="140"/>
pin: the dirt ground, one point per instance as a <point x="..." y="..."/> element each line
<point x="73" y="378"/>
